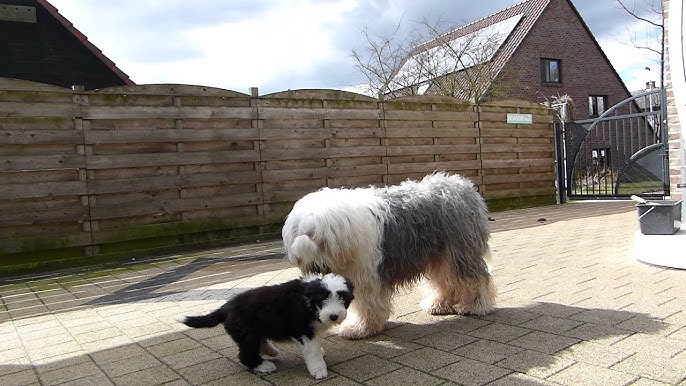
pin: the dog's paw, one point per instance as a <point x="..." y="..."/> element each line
<point x="439" y="309"/>
<point x="353" y="332"/>
<point x="265" y="367"/>
<point x="434" y="307"/>
<point x="319" y="372"/>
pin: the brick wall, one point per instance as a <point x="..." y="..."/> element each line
<point x="585" y="70"/>
<point x="675" y="140"/>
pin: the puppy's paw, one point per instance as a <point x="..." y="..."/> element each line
<point x="319" y="372"/>
<point x="265" y="367"/>
<point x="269" y="349"/>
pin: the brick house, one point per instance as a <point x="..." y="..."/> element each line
<point x="40" y="45"/>
<point x="545" y="50"/>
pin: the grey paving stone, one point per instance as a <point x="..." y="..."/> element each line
<point x="27" y="376"/>
<point x="427" y="359"/>
<point x="470" y="372"/>
<point x="585" y="374"/>
<point x="405" y="376"/>
<point x="364" y="367"/>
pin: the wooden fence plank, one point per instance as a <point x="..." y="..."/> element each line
<point x="45" y="189"/>
<point x="520" y="163"/>
<point x="407" y="132"/>
<point x="322" y="153"/>
<point x="321" y="133"/>
<point x="323" y="172"/>
<point x="167" y="182"/>
<point x="36" y="162"/>
<point x="155" y="159"/>
<point x="73" y="214"/>
<point x="164" y="112"/>
<point x="156" y="207"/>
<point x="428" y="167"/>
<point x="39" y="137"/>
<point x="322" y="113"/>
<point x="167" y="135"/>
<point x="432" y="149"/>
<point x="25" y="109"/>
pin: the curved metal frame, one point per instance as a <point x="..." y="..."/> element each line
<point x="610" y="115"/>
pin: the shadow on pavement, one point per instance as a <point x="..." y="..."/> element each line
<point x="537" y="340"/>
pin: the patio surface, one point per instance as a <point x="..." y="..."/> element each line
<point x="574" y="308"/>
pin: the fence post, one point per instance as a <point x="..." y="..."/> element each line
<point x="259" y="166"/>
<point x="86" y="175"/>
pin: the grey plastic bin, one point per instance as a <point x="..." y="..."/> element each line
<point x="659" y="217"/>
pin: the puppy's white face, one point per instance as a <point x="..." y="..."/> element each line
<point x="331" y="294"/>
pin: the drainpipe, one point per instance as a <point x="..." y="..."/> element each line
<point x="677" y="63"/>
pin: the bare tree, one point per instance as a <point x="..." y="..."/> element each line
<point x="432" y="59"/>
<point x="380" y="60"/>
<point x="650" y="13"/>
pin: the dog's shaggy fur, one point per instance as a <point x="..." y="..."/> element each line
<point x="297" y="310"/>
<point x="383" y="238"/>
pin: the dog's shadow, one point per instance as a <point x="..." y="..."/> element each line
<point x="538" y="340"/>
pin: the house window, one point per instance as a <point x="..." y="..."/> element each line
<point x="550" y="71"/>
<point x="600" y="157"/>
<point x="596" y="105"/>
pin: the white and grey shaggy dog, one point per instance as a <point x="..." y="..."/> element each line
<point x="435" y="229"/>
<point x="299" y="310"/>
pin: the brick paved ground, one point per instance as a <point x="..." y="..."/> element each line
<point x="574" y="308"/>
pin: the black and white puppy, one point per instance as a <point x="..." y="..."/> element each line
<point x="298" y="310"/>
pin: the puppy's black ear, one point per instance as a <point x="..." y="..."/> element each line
<point x="350" y="285"/>
<point x="314" y="294"/>
<point x="347" y="296"/>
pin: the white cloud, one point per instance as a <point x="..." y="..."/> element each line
<point x="285" y="41"/>
<point x="631" y="62"/>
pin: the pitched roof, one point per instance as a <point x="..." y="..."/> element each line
<point x="527" y="13"/>
<point x="523" y="14"/>
<point x="84" y="40"/>
<point x="530" y="11"/>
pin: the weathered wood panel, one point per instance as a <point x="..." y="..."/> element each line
<point x="134" y="170"/>
<point x="518" y="161"/>
<point x="428" y="134"/>
<point x="42" y="172"/>
<point x="309" y="140"/>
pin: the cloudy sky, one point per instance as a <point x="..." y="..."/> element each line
<point x="291" y="44"/>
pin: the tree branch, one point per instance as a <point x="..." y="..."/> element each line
<point x="636" y="16"/>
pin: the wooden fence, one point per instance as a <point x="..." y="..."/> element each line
<point x="129" y="171"/>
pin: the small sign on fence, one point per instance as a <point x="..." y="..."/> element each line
<point x="519" y="119"/>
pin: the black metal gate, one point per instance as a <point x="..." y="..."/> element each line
<point x="620" y="153"/>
